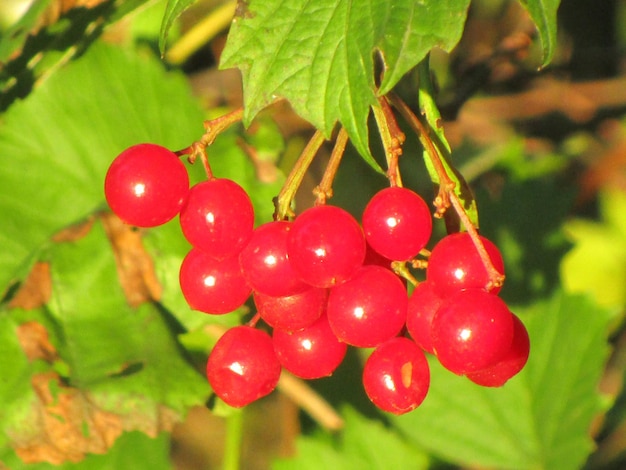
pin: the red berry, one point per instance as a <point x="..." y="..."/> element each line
<point x="310" y="353"/>
<point x="471" y="331"/>
<point x="218" y="217"/>
<point x="369" y="308"/>
<point x="325" y="246"/>
<point x="397" y="223"/>
<point x="423" y="305"/>
<point x="211" y="285"/>
<point x="512" y="363"/>
<point x="396" y="376"/>
<point x="146" y="185"/>
<point x="294" y="312"/>
<point x="242" y="366"/>
<point x="264" y="261"/>
<point x="455" y="264"/>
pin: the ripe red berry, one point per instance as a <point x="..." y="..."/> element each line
<point x="310" y="353"/>
<point x="146" y="185"/>
<point x="242" y="366"/>
<point x="423" y="304"/>
<point x="397" y="223"/>
<point x="211" y="285"/>
<point x="396" y="376"/>
<point x="369" y="308"/>
<point x="264" y="262"/>
<point x="471" y="331"/>
<point x="294" y="312"/>
<point x="455" y="264"/>
<point x="512" y="363"/>
<point x="325" y="246"/>
<point x="218" y="217"/>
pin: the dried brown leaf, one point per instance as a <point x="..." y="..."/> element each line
<point x="134" y="265"/>
<point x="33" y="338"/>
<point x="64" y="425"/>
<point x="36" y="289"/>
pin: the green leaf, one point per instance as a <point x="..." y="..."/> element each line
<point x="320" y="55"/>
<point x="113" y="350"/>
<point x="543" y="13"/>
<point x="540" y="419"/>
<point x="173" y="10"/>
<point x="363" y="444"/>
<point x="57" y="145"/>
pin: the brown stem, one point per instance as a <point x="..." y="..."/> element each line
<point x="294" y="179"/>
<point x="324" y="190"/>
<point x="446" y="184"/>
<point x="212" y="128"/>
<point x="392" y="138"/>
<point x="496" y="278"/>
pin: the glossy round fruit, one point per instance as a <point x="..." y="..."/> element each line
<point x="211" y="285"/>
<point x="242" y="366"/>
<point x="423" y="304"/>
<point x="294" y="312"/>
<point x="397" y="223"/>
<point x="455" y="264"/>
<point x="325" y="246"/>
<point x="368" y="309"/>
<point x="396" y="376"/>
<point x="512" y="363"/>
<point x="264" y="262"/>
<point x="218" y="217"/>
<point x="310" y="353"/>
<point x="146" y="185"/>
<point x="471" y="331"/>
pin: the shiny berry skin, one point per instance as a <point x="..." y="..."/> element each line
<point x="423" y="304"/>
<point x="325" y="246"/>
<point x="512" y="363"/>
<point x="472" y="330"/>
<point x="242" y="366"/>
<point x="294" y="312"/>
<point x="218" y="217"/>
<point x="455" y="264"/>
<point x="397" y="223"/>
<point x="264" y="262"/>
<point x="146" y="185"/>
<point x="211" y="285"/>
<point x="369" y="308"/>
<point x="396" y="376"/>
<point x="310" y="353"/>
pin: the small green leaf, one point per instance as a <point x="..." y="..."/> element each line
<point x="540" y="418"/>
<point x="543" y="13"/>
<point x="320" y="55"/>
<point x="173" y="10"/>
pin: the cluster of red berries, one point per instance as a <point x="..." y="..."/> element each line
<point x="323" y="282"/>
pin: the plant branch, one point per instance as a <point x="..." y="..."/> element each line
<point x="392" y="138"/>
<point x="324" y="190"/>
<point x="295" y="177"/>
<point x="446" y="184"/>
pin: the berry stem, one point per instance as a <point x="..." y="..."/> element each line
<point x="212" y="128"/>
<point x="446" y="196"/>
<point x="324" y="190"/>
<point x="392" y="138"/>
<point x="294" y="179"/>
<point x="496" y="278"/>
<point x="446" y="184"/>
<point x="232" y="446"/>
